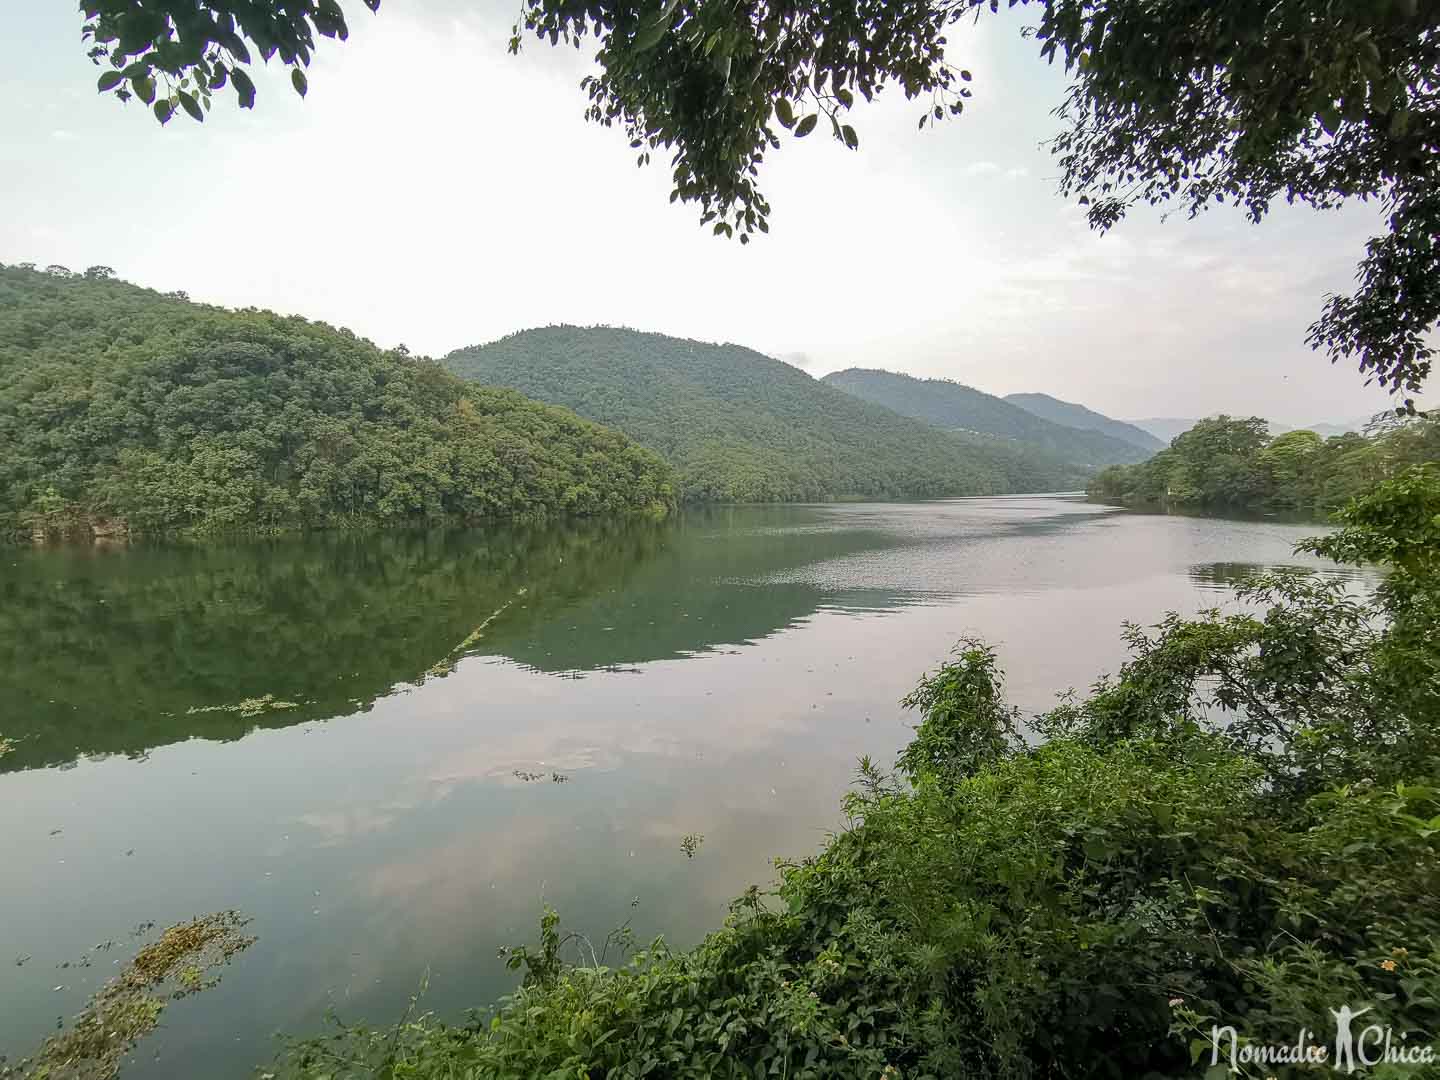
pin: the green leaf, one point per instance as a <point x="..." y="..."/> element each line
<point x="191" y="106"/>
<point x="244" y="88"/>
<point x="783" y="112"/>
<point x="806" y="125"/>
<point x="163" y="111"/>
<point x="845" y="96"/>
<point x="144" y="88"/>
<point x="650" y="36"/>
<point x="109" y="81"/>
<point x="851" y="139"/>
<point x="297" y="79"/>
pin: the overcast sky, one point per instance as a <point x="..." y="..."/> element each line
<point x="435" y="191"/>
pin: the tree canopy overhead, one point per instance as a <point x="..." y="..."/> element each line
<point x="1171" y="102"/>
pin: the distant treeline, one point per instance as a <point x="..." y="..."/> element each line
<point x="1231" y="463"/>
<point x="125" y="409"/>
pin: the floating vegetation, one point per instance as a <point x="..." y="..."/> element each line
<point x="446" y="664"/>
<point x="531" y="777"/>
<point x="253" y="706"/>
<point x="690" y="844"/>
<point x="128" y="1007"/>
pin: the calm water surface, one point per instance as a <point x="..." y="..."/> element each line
<point x="715" y="674"/>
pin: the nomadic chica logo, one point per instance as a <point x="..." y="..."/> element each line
<point x="1351" y="1048"/>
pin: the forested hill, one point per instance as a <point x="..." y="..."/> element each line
<point x="742" y="427"/>
<point x="956" y="407"/>
<point x="120" y="406"/>
<point x="1078" y="416"/>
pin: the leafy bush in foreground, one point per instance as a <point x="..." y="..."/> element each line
<point x="1242" y="828"/>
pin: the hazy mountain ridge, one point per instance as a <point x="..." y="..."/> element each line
<point x="1072" y="414"/>
<point x="741" y="426"/>
<point x="956" y="407"/>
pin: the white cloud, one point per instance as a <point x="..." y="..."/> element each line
<point x="434" y="190"/>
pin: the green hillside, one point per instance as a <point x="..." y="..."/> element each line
<point x="956" y="407"/>
<point x="1072" y="415"/>
<point x="742" y="427"/>
<point x="121" y="408"/>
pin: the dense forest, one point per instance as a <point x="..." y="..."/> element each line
<point x="741" y="427"/>
<point x="124" y="409"/>
<point x="1233" y="463"/>
<point x="1078" y="416"/>
<point x="957" y="407"/>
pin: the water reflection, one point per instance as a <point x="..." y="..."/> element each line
<point x="715" y="674"/>
<point x="121" y="650"/>
<point x="1226" y="576"/>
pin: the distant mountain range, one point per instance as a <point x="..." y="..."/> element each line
<point x="1078" y="416"/>
<point x="1167" y="427"/>
<point x="957" y="407"/>
<point x="741" y="426"/>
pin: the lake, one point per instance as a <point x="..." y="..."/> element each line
<point x="465" y="725"/>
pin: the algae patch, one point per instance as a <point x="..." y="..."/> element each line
<point x="182" y="961"/>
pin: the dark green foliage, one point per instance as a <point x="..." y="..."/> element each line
<point x="1316" y="102"/>
<point x="1228" y="462"/>
<point x="1170" y="859"/>
<point x="957" y="407"/>
<point x="741" y="427"/>
<point x="966" y="724"/>
<point x="195" y="49"/>
<point x="119" y="405"/>
<point x="1398" y="525"/>
<point x="1078" y="416"/>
